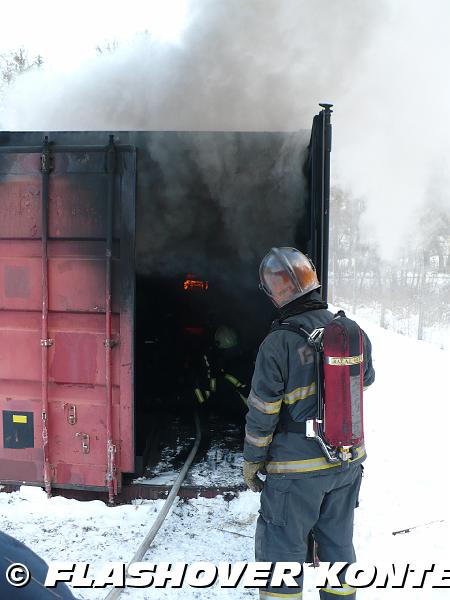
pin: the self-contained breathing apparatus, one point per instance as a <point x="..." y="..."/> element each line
<point x="338" y="358"/>
<point x="286" y="274"/>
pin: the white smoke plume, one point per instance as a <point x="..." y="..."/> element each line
<point x="240" y="66"/>
<point x="264" y="66"/>
<point x="393" y="126"/>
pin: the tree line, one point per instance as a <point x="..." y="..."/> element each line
<point x="413" y="287"/>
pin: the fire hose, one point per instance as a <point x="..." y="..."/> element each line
<point x="146" y="543"/>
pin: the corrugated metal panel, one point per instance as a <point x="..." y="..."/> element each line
<point x="76" y="246"/>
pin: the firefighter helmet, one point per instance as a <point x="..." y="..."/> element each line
<point x="225" y="338"/>
<point x="287" y="274"/>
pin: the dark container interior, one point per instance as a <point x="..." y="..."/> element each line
<point x="209" y="206"/>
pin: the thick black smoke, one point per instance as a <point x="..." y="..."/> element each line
<point x="207" y="199"/>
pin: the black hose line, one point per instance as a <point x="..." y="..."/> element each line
<point x="145" y="545"/>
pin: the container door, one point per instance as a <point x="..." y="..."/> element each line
<point x="66" y="315"/>
<point x="318" y="173"/>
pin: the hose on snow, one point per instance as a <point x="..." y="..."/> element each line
<point x="145" y="545"/>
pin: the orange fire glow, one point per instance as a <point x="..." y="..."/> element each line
<point x="190" y="284"/>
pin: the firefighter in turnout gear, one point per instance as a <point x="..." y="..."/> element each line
<point x="219" y="384"/>
<point x="303" y="492"/>
<point x="217" y="377"/>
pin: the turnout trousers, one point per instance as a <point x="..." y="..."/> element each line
<point x="291" y="508"/>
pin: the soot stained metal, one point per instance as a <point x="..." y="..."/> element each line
<point x="91" y="222"/>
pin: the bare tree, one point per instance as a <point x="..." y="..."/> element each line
<point x="413" y="291"/>
<point x="109" y="47"/>
<point x="17" y="62"/>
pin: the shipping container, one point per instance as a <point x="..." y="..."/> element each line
<point x="120" y="255"/>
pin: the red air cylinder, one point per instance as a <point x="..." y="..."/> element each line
<point x="343" y="383"/>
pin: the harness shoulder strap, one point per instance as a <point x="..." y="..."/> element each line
<point x="286" y="423"/>
<point x="280" y="325"/>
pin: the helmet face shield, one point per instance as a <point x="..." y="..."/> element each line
<point x="287" y="274"/>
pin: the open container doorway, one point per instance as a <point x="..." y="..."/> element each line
<point x="210" y="205"/>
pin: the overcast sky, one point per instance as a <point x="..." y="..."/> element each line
<point x="65" y="33"/>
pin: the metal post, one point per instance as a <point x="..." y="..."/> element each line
<point x="111" y="477"/>
<point x="46" y="343"/>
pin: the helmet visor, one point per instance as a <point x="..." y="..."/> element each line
<point x="287" y="274"/>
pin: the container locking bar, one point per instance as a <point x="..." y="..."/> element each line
<point x="111" y="470"/>
<point x="46" y="342"/>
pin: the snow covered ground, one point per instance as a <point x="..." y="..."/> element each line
<point x="436" y="334"/>
<point x="406" y="484"/>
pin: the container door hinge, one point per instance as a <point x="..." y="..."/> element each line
<point x="85" y="442"/>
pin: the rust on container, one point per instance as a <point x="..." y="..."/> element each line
<point x="61" y="281"/>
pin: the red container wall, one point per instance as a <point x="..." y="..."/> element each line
<point x="77" y="394"/>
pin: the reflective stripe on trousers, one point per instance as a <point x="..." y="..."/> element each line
<point x="346" y="591"/>
<point x="263" y="595"/>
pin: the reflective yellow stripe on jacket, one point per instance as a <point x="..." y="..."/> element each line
<point x="308" y="465"/>
<point x="201" y="396"/>
<point x="256" y="440"/>
<point x="300" y="393"/>
<point x="268" y="408"/>
<point x="233" y="380"/>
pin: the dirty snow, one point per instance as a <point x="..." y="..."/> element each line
<point x="406" y="484"/>
<point x="220" y="465"/>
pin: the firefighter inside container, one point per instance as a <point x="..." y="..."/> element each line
<point x="219" y="386"/>
<point x="222" y="375"/>
<point x="303" y="491"/>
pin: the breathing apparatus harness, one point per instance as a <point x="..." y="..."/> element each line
<point x="338" y="426"/>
